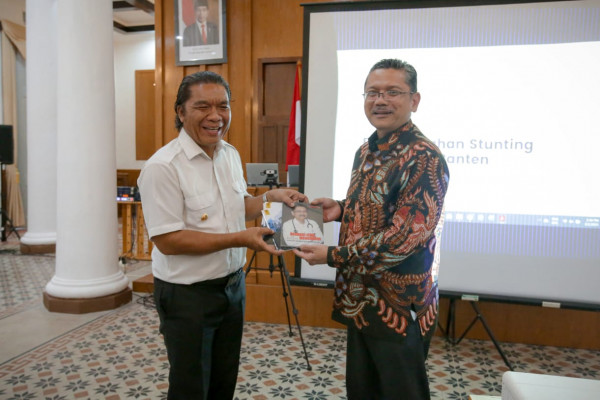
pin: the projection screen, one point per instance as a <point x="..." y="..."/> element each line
<point x="511" y="95"/>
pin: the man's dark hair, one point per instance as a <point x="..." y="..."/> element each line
<point x="394" y="63"/>
<point x="183" y="93"/>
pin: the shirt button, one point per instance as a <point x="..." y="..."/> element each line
<point x="204" y="217"/>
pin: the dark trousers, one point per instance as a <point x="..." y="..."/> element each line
<point x="202" y="326"/>
<point x="378" y="369"/>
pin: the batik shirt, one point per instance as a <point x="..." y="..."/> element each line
<point x="387" y="235"/>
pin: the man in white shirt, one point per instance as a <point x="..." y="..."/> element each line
<point x="195" y="205"/>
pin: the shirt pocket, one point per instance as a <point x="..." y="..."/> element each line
<point x="200" y="212"/>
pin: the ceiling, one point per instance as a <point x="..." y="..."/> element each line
<point x="131" y="16"/>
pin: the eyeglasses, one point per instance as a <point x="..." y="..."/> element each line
<point x="387" y="95"/>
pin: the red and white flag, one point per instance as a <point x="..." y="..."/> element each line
<point x="293" y="143"/>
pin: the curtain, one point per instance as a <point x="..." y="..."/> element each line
<point x="13" y="40"/>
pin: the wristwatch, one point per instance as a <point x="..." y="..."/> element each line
<point x="265" y="200"/>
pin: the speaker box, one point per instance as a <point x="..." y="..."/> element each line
<point x="6" y="144"/>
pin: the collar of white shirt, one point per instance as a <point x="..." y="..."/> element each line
<point x="191" y="148"/>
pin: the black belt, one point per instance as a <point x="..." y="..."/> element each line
<point x="219" y="281"/>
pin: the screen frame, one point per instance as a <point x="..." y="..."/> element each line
<point x="313" y="8"/>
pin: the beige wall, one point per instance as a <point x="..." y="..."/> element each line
<point x="134" y="51"/>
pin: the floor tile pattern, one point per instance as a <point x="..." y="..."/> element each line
<point x="120" y="355"/>
<point x="21" y="279"/>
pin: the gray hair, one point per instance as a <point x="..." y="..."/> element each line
<point x="394" y="63"/>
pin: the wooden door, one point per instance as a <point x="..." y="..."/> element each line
<point x="275" y="94"/>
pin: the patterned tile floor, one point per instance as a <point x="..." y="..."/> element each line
<point x="120" y="354"/>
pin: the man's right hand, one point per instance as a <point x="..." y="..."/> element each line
<point x="331" y="208"/>
<point x="255" y="240"/>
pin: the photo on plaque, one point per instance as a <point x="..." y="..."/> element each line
<point x="301" y="224"/>
<point x="200" y="32"/>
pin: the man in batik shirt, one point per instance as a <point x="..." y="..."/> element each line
<point x="385" y="292"/>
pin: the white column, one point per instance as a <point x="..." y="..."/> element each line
<point x="87" y="230"/>
<point x="41" y="126"/>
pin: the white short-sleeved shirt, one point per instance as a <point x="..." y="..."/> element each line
<point x="182" y="188"/>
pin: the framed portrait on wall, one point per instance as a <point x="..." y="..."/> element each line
<point x="200" y="34"/>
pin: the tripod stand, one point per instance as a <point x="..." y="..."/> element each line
<point x="287" y="289"/>
<point x="6" y="221"/>
<point x="450" y="331"/>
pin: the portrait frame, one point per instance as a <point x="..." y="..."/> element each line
<point x="195" y="45"/>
